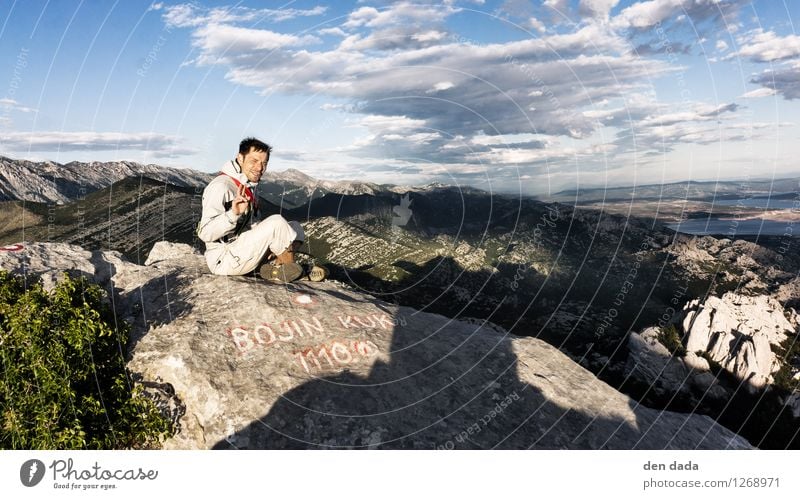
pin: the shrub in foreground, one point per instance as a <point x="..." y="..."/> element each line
<point x="63" y="382"/>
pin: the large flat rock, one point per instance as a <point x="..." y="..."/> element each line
<point x="319" y="365"/>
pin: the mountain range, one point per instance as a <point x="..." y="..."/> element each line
<point x="55" y="183"/>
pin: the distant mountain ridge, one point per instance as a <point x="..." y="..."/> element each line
<point x="56" y="183"/>
<point x="51" y="182"/>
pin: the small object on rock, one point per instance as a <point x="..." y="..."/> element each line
<point x="317" y="273"/>
<point x="303" y="299"/>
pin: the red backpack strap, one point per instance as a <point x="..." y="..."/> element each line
<point x="247" y="190"/>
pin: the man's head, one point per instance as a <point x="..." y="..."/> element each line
<point x="253" y="158"/>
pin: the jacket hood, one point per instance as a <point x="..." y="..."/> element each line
<point x="233" y="169"/>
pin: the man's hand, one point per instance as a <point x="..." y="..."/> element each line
<point x="240" y="203"/>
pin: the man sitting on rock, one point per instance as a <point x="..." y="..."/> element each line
<point x="230" y="205"/>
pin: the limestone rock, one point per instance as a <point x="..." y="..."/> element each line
<point x="693" y="361"/>
<point x="737" y="332"/>
<point x="316" y="365"/>
<point x="164" y="250"/>
<point x="49" y="261"/>
<point x="651" y="363"/>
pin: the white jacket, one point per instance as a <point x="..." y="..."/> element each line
<point x="218" y="225"/>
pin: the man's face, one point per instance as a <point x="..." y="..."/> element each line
<point x="253" y="164"/>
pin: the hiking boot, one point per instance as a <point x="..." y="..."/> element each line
<point x="286" y="272"/>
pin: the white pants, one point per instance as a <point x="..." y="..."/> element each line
<point x="243" y="255"/>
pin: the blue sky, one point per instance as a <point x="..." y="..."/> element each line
<point x="507" y="95"/>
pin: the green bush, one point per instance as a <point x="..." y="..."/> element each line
<point x="64" y="384"/>
<point x="671" y="338"/>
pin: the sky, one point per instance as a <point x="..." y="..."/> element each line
<point x="509" y="96"/>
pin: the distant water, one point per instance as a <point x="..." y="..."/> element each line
<point x="731" y="228"/>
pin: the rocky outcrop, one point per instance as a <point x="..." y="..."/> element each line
<point x="749" y="267"/>
<point x="738" y="332"/>
<point x="735" y="331"/>
<point x="650" y="362"/>
<point x="321" y="365"/>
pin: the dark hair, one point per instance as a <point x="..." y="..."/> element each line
<point x="252" y="143"/>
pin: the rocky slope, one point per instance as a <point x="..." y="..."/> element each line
<point x="325" y="366"/>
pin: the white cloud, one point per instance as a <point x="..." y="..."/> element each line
<point x="332" y="107"/>
<point x="537" y="25"/>
<point x="361" y="16"/>
<point x="429" y="36"/>
<point x="441" y="86"/>
<point x="767" y="46"/>
<point x="229" y="41"/>
<point x="392" y="38"/>
<point x="499" y="84"/>
<point x="646" y="14"/>
<point x="759" y="93"/>
<point x="11" y="104"/>
<point x="93" y="141"/>
<point x="557" y="5"/>
<point x="665" y="137"/>
<point x="650" y="13"/>
<point x="333" y="31"/>
<point x="597" y="8"/>
<point x="699" y="113"/>
<point x="518" y="138"/>
<point x="193" y="15"/>
<point x="390" y="123"/>
<point x="183" y="16"/>
<point x="517" y="156"/>
<point x="414" y="138"/>
<point x="514" y="101"/>
<point x="722" y="46"/>
<point x="400" y="13"/>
